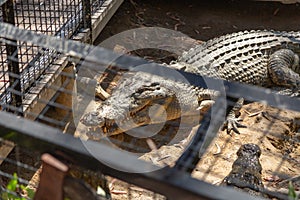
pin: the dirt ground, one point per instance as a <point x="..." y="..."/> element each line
<point x="278" y="136"/>
<point x="203" y="20"/>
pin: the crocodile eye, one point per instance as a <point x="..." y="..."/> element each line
<point x="154" y="84"/>
<point x="95" y="113"/>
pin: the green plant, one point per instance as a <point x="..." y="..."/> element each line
<point x="292" y="194"/>
<point x="14" y="187"/>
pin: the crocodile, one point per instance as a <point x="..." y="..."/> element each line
<point x="262" y="58"/>
<point x="246" y="170"/>
<point x="142" y="98"/>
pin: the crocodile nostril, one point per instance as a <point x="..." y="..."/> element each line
<point x="95" y="113"/>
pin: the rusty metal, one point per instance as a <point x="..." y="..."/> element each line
<point x="51" y="179"/>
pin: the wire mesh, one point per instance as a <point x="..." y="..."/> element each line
<point x="72" y="86"/>
<point x="20" y="174"/>
<point x="58" y="18"/>
<point x="1" y="19"/>
<point x="61" y="18"/>
<point x="96" y="5"/>
<point x="16" y="170"/>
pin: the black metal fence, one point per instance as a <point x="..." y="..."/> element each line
<point x="1" y="18"/>
<point x="58" y="18"/>
<point x="188" y="167"/>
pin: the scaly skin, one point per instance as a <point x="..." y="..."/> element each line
<point x="262" y="58"/>
<point x="142" y="98"/>
<point x="246" y="170"/>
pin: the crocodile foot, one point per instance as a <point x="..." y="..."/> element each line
<point x="232" y="124"/>
<point x="292" y="92"/>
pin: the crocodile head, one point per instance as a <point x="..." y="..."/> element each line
<point x="125" y="111"/>
<point x="141" y="100"/>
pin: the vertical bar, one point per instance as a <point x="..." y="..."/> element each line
<point x="87" y="18"/>
<point x="12" y="51"/>
<point x="205" y="134"/>
<point x="51" y="179"/>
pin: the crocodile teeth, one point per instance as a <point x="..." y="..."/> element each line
<point x="109" y="122"/>
<point x="128" y="118"/>
<point x="104" y="129"/>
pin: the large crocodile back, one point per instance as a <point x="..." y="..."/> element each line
<point x="241" y="56"/>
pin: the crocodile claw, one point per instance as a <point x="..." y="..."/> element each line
<point x="232" y="124"/>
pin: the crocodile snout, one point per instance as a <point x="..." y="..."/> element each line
<point x="92" y="119"/>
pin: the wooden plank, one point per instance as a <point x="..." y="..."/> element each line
<point x="99" y="20"/>
<point x="43" y="90"/>
<point x="101" y="17"/>
<point x="5" y="148"/>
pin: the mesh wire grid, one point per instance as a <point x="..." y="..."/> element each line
<point x="19" y="166"/>
<point x="96" y="5"/>
<point x="49" y="101"/>
<point x="1" y="14"/>
<point x="58" y="18"/>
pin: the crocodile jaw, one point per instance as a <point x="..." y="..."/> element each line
<point x="115" y="119"/>
<point x="92" y="120"/>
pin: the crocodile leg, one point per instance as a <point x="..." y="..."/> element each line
<point x="233" y="121"/>
<point x="284" y="68"/>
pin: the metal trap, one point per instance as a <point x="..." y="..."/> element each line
<point x="34" y="71"/>
<point x="178" y="159"/>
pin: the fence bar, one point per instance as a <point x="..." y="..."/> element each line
<point x="12" y="52"/>
<point x="87" y="18"/>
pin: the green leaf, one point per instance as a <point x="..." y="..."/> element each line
<point x="30" y="193"/>
<point x="22" y="187"/>
<point x="292" y="195"/>
<point x="12" y="184"/>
